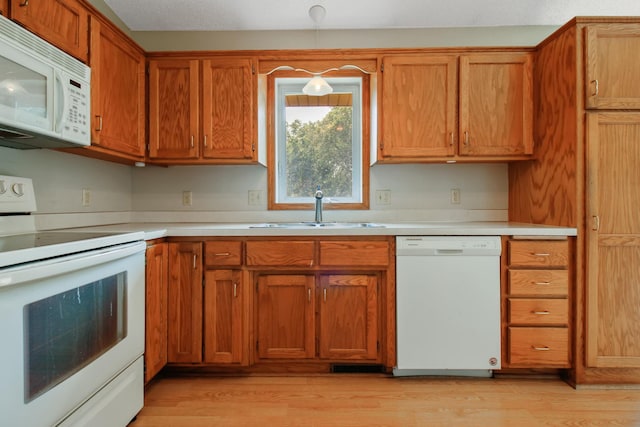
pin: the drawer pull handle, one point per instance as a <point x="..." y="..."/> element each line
<point x="544" y="348"/>
<point x="541" y="254"/>
<point x="543" y="283"/>
<point x="223" y="254"/>
<point x="541" y="313"/>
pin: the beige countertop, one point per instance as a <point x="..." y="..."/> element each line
<point x="159" y="230"/>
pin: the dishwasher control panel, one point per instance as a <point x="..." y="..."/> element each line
<point x="448" y="245"/>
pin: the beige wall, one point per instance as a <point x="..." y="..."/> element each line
<point x="332" y="39"/>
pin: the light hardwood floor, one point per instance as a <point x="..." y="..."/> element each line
<point x="376" y="400"/>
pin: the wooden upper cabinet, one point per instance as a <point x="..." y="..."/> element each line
<point x="174" y="128"/>
<point x="117" y="92"/>
<point x="228" y="109"/>
<point x="419" y="106"/>
<point x="496" y="105"/>
<point x="4" y="8"/>
<point x="612" y="79"/>
<point x="64" y="23"/>
<point x="202" y="111"/>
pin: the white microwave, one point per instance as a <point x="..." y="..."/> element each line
<point x="44" y="93"/>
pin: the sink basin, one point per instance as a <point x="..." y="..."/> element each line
<point x="317" y="225"/>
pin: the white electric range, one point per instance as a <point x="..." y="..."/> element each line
<point x="71" y="322"/>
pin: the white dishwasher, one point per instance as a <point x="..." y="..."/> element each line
<point x="448" y="305"/>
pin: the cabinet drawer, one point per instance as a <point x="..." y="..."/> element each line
<point x="543" y="253"/>
<point x="223" y="253"/>
<point x="539" y="311"/>
<point x="539" y="346"/>
<point x="538" y="282"/>
<point x="280" y="253"/>
<point x="354" y="253"/>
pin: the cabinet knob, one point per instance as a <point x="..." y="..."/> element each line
<point x="25" y="3"/>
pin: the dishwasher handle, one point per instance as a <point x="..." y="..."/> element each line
<point x="449" y="252"/>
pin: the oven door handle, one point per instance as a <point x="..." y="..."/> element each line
<point x="52" y="267"/>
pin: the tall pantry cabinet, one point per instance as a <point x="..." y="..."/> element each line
<point x="587" y="132"/>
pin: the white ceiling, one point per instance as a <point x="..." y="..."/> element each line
<point x="242" y="15"/>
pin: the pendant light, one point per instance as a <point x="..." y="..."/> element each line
<point x="317" y="86"/>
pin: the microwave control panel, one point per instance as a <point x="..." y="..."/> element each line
<point x="77" y="120"/>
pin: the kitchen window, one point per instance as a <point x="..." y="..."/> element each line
<point x="319" y="141"/>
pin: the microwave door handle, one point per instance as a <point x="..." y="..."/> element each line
<point x="61" y="100"/>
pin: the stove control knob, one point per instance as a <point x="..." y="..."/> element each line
<point x="18" y="189"/>
<point x="3" y="187"/>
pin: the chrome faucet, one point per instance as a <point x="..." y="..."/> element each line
<point x="318" y="197"/>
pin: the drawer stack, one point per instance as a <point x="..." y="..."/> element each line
<point x="538" y="309"/>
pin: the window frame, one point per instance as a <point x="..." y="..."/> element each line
<point x="272" y="145"/>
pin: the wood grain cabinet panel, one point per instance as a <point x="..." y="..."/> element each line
<point x="496" y="105"/>
<point x="538" y="282"/>
<point x="157" y="276"/>
<point x="64" y="23"/>
<point x="4" y="8"/>
<point x="286" y="316"/>
<point x="354" y="253"/>
<point x="174" y="102"/>
<point x="613" y="240"/>
<point x="185" y="307"/>
<point x="419" y="102"/>
<point x="117" y="93"/>
<point x="538" y="311"/>
<point x="224" y="320"/>
<point x="281" y="253"/>
<point x="528" y="253"/>
<point x="612" y="78"/>
<point x="539" y="346"/>
<point x="223" y="253"/>
<point x="228" y="109"/>
<point x="349" y="317"/>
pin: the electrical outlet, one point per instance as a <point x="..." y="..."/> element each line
<point x="255" y="197"/>
<point x="86" y="197"/>
<point x="187" y="198"/>
<point x="383" y="197"/>
<point x="455" y="196"/>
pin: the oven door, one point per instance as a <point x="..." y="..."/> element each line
<point x="68" y="326"/>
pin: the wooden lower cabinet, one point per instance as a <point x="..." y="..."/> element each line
<point x="157" y="270"/>
<point x="224" y="317"/>
<point x="185" y="308"/>
<point x="286" y="316"/>
<point x="349" y="317"/>
<point x="537" y="304"/>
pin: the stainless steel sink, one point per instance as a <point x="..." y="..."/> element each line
<point x="317" y="225"/>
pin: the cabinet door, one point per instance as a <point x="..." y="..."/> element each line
<point x="496" y="105"/>
<point x="185" y="309"/>
<point x="613" y="240"/>
<point x="4" y="8"/>
<point x="64" y="23"/>
<point x="348" y="317"/>
<point x="157" y="270"/>
<point x="612" y="78"/>
<point x="117" y="92"/>
<point x="174" y="109"/>
<point x="228" y="109"/>
<point x="224" y="323"/>
<point x="286" y="327"/>
<point x="419" y="106"/>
